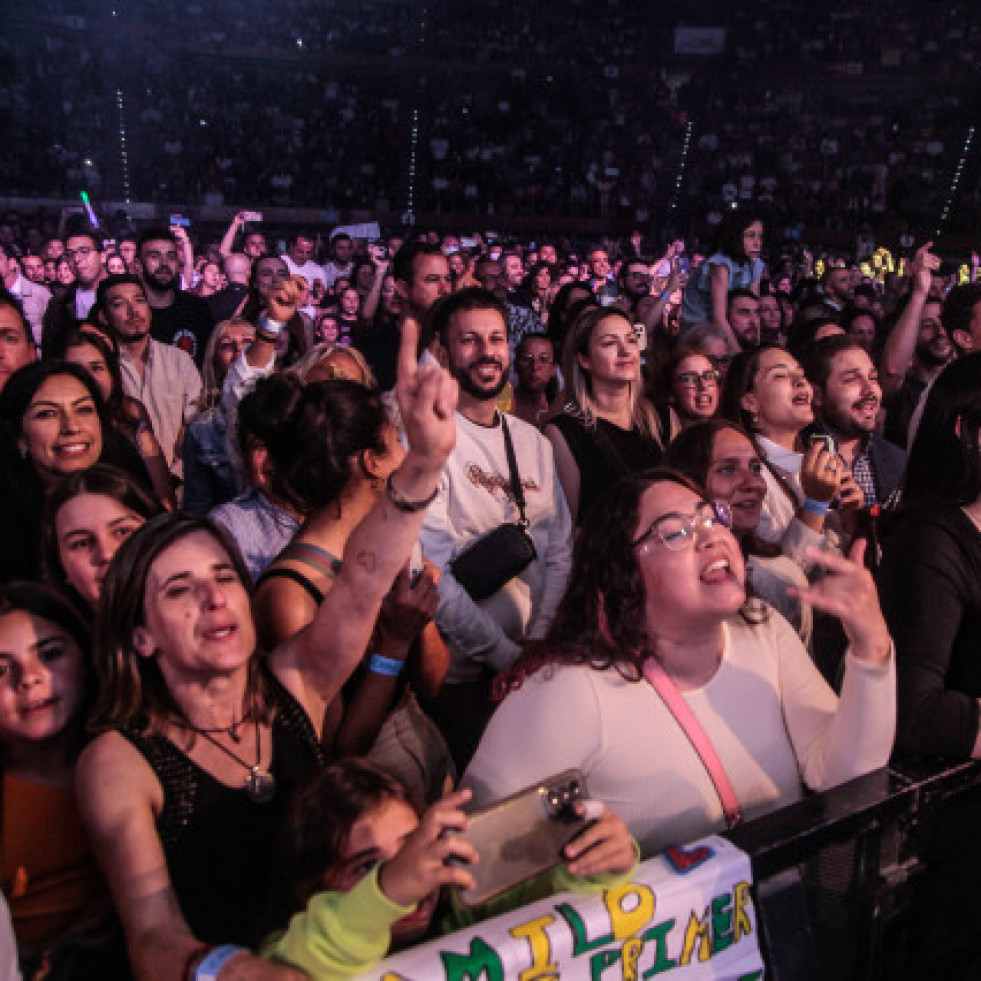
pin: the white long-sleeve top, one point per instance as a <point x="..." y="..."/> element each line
<point x="774" y="722"/>
<point x="474" y="497"/>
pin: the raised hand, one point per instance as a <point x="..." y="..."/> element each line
<point x="820" y="473"/>
<point x="847" y="591"/>
<point x="925" y="263"/>
<point x="283" y="301"/>
<point x="421" y="864"/>
<point x="427" y="398"/>
<point x="407" y="608"/>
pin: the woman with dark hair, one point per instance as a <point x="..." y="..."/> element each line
<point x="331" y="457"/>
<point x="656" y="619"/>
<point x="54" y="423"/>
<point x="201" y="739"/>
<point x="689" y="390"/>
<point x="536" y="284"/>
<point x="930" y="577"/>
<point x="607" y="428"/>
<point x="767" y="392"/>
<point x="722" y="458"/>
<point x="91" y="350"/>
<point x="735" y="264"/>
<point x="87" y="517"/>
<point x="560" y="314"/>
<point x="269" y="275"/>
<point x="46" y="868"/>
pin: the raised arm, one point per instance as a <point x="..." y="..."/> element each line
<point x="315" y="663"/>
<point x="897" y="352"/>
<point x="227" y="245"/>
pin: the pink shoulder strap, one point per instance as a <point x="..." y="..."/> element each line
<point x="658" y="679"/>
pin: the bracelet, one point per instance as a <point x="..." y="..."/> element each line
<point x="388" y="666"/>
<point x="215" y="960"/>
<point x="403" y="504"/>
<point x="819" y="508"/>
<point x="191" y="963"/>
<point x="267" y="329"/>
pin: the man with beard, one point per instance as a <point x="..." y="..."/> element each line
<point x="179" y="318"/>
<point x="475" y="497"/>
<point x="161" y="376"/>
<point x="846" y="399"/>
<point x="916" y="350"/>
<point x="743" y="310"/>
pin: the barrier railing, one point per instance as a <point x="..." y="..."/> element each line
<point x="877" y="879"/>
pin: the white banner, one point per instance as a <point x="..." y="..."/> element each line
<point x="687" y="914"/>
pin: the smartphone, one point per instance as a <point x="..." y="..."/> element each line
<point x="825" y="440"/>
<point x="523" y="835"/>
<point x="684" y="264"/>
<point x="252" y="216"/>
<point x="180" y="220"/>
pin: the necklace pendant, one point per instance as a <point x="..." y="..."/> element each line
<point x="261" y="785"/>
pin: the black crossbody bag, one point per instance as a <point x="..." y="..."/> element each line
<point x="497" y="557"/>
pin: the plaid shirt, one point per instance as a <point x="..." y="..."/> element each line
<point x="864" y="477"/>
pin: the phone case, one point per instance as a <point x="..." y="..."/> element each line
<point x="523" y="835"/>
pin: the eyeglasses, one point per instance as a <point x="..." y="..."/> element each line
<point x="530" y="359"/>
<point x="82" y="251"/>
<point x="691" y="379"/>
<point x="676" y="532"/>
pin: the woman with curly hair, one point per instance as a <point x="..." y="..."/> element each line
<point x="656" y="614"/>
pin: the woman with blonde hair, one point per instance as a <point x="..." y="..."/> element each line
<point x="606" y="427"/>
<point x="209" y="476"/>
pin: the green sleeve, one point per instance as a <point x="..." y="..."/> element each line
<point x="555" y="879"/>
<point x="339" y="934"/>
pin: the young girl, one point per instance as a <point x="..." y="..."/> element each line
<point x="46" y="870"/>
<point x="362" y="871"/>
<point x="86" y="518"/>
<point x="735" y="264"/>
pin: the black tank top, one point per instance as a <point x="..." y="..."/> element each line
<point x="220" y="844"/>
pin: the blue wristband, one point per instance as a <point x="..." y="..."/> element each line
<point x="820" y="508"/>
<point x="208" y="969"/>
<point x="388" y="666"/>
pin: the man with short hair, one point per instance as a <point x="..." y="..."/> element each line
<point x="846" y="397"/>
<point x="33" y="297"/>
<point x="253" y="244"/>
<point x="228" y="301"/>
<point x="161" y="376"/>
<point x="838" y="285"/>
<point x="341" y="258"/>
<point x="743" y="311"/>
<point x="64" y="314"/>
<point x="33" y="266"/>
<point x="299" y="261"/>
<point x="180" y="319"/>
<point x="422" y="276"/>
<point x="474" y="497"/>
<point x="17" y="347"/>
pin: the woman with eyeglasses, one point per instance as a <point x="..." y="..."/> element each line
<point x="656" y="614"/>
<point x="607" y="428"/>
<point x="689" y="391"/>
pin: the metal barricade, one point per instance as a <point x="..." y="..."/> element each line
<point x="877" y="879"/>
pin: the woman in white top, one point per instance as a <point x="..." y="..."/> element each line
<point x="658" y="576"/>
<point x="768" y="394"/>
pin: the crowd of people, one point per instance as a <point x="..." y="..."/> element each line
<point x="305" y="555"/>
<point x="833" y="121"/>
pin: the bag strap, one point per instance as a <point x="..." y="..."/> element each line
<point x="675" y="702"/>
<point x="516" y="488"/>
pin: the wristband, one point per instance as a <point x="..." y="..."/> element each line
<point x="402" y="504"/>
<point x="215" y="960"/>
<point x="820" y="508"/>
<point x="388" y="666"/>
<point x="268" y="329"/>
